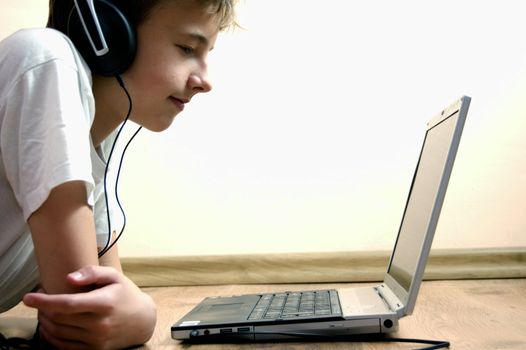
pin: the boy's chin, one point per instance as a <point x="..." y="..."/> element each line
<point x="161" y="125"/>
<point x="157" y="124"/>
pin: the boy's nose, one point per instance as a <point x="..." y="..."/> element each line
<point x="200" y="83"/>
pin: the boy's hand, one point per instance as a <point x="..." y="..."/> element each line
<point x="113" y="314"/>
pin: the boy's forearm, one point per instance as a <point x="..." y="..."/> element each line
<point x="63" y="233"/>
<point x="111" y="257"/>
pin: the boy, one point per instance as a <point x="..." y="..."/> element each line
<point x="58" y="118"/>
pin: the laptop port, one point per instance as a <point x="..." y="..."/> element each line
<point x="225" y="330"/>
<point x="243" y="329"/>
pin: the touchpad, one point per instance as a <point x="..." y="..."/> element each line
<point x="226" y="308"/>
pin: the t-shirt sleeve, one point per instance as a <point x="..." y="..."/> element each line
<point x="46" y="134"/>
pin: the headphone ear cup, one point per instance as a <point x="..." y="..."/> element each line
<point x="119" y="34"/>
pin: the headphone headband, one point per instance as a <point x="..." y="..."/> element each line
<point x="88" y="18"/>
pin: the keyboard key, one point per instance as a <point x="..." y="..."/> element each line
<point x="297" y="304"/>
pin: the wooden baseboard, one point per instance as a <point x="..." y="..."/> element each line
<point x="318" y="267"/>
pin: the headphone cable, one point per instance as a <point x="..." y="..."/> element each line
<point x="110" y="244"/>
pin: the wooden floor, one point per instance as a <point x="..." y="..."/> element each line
<point x="471" y="314"/>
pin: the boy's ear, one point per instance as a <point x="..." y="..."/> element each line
<point x="103" y="35"/>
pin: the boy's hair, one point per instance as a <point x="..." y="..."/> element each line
<point x="137" y="11"/>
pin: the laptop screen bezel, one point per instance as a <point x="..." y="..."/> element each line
<point x="408" y="296"/>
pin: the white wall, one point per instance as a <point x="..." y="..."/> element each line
<point x="310" y="137"/>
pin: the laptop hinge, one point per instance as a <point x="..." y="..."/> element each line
<point x="392" y="301"/>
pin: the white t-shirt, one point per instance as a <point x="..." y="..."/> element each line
<point x="46" y="111"/>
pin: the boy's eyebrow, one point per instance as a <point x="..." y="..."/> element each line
<point x="199" y="37"/>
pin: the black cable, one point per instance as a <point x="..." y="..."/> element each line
<point x="110" y="244"/>
<point x="434" y="344"/>
<point x="117" y="193"/>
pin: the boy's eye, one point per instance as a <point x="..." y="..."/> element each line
<point x="186" y="50"/>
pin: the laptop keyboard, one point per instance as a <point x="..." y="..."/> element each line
<point x="297" y="304"/>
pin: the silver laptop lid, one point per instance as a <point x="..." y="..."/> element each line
<point x="426" y="195"/>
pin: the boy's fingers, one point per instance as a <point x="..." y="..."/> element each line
<point x="99" y="275"/>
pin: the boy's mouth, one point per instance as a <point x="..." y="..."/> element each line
<point x="178" y="102"/>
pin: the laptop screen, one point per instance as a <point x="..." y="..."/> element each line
<point x="422" y="197"/>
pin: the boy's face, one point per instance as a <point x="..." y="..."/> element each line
<point x="171" y="62"/>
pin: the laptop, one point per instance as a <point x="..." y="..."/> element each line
<point x="347" y="311"/>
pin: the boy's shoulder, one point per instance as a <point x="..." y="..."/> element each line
<point x="36" y="46"/>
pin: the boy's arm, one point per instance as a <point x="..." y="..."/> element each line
<point x="63" y="234"/>
<point x="84" y="305"/>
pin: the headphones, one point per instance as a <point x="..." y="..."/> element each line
<point x="103" y="35"/>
